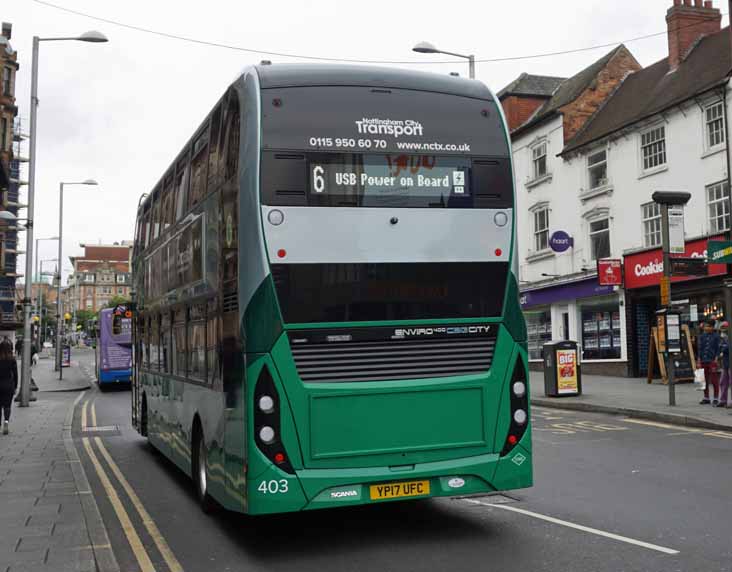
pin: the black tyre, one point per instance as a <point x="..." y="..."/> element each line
<point x="200" y="473"/>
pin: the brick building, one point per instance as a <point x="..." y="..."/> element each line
<point x="102" y="273"/>
<point x="9" y="182"/>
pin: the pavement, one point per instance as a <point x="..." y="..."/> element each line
<point x="634" y="397"/>
<point x="48" y="518"/>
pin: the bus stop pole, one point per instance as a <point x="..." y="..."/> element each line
<point x="666" y="247"/>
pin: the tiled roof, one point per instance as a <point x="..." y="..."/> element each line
<point x="536" y="85"/>
<point x="569" y="90"/>
<point x="653" y="89"/>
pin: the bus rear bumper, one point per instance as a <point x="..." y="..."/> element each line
<point x="332" y="488"/>
<point x="470" y="476"/>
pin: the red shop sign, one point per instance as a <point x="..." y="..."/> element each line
<point x="610" y="272"/>
<point x="646" y="268"/>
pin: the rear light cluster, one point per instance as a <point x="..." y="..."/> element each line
<point x="519" y="408"/>
<point x="267" y="421"/>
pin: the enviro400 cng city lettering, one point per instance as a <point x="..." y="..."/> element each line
<point x="450" y="331"/>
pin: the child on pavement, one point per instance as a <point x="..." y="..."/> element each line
<point x="724" y="385"/>
<point x="708" y="352"/>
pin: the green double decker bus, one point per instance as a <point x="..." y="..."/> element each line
<point x="326" y="294"/>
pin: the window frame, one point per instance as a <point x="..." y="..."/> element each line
<point x="592" y="234"/>
<point x="661" y="152"/>
<point x="708" y="125"/>
<point x="592" y="166"/>
<point x="651" y="221"/>
<point x="723" y="201"/>
<point x="537" y="157"/>
<point x="7" y="81"/>
<point x="541" y="235"/>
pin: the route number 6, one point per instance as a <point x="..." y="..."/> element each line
<point x="318" y="180"/>
<point x="273" y="487"/>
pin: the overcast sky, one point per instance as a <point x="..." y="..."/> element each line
<point x="120" y="112"/>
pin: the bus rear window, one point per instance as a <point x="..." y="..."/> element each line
<point x="385" y="180"/>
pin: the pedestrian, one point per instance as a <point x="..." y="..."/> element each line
<point x="724" y="385"/>
<point x="8" y="382"/>
<point x="708" y="351"/>
<point x="19" y="347"/>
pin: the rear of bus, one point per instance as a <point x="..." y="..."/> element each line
<point x="396" y="367"/>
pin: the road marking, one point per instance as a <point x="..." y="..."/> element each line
<point x="94" y="413"/>
<point x="580" y="527"/>
<point x="147" y="520"/>
<point x="83" y="415"/>
<point x="681" y="430"/>
<point x="143" y="559"/>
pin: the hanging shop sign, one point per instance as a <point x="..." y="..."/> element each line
<point x="720" y="251"/>
<point x="560" y="241"/>
<point x="646" y="268"/>
<point x="610" y="272"/>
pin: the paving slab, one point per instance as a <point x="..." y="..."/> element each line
<point x="635" y="397"/>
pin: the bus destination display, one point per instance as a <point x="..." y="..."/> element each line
<point x="378" y="176"/>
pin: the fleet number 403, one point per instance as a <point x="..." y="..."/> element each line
<point x="273" y="487"/>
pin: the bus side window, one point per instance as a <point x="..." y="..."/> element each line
<point x="230" y="192"/>
<point x="155" y="343"/>
<point x="167" y="209"/>
<point x="212" y="342"/>
<point x="198" y="169"/>
<point x="165" y="331"/>
<point x="179" y="343"/>
<point x="215" y="147"/>
<point x="156" y="212"/>
<point x="232" y="123"/>
<point x="197" y="342"/>
<point x="147" y="342"/>
<point x="142" y="341"/>
<point x="146" y="228"/>
<point x="182" y="172"/>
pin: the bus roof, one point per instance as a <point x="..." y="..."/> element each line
<point x="302" y="75"/>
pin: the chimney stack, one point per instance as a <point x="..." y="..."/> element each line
<point x="686" y="24"/>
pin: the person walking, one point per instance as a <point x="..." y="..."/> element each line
<point x="724" y="384"/>
<point x="19" y="347"/>
<point x="8" y="382"/>
<point x="708" y="352"/>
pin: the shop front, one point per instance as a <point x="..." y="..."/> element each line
<point x="698" y="298"/>
<point x="583" y="311"/>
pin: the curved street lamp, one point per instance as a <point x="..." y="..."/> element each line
<point x="428" y="48"/>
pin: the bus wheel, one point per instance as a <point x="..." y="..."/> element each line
<point x="200" y="473"/>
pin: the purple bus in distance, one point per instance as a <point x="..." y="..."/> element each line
<point x="114" y="346"/>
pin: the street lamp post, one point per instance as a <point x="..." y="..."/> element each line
<point x="92" y="36"/>
<point x="59" y="309"/>
<point x="427" y="48"/>
<point x="40" y="304"/>
<point x="37" y="256"/>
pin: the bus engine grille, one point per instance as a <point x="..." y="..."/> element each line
<point x="322" y="361"/>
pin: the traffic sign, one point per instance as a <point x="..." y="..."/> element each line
<point x="665" y="290"/>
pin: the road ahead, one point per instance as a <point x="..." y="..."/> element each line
<point x="611" y="494"/>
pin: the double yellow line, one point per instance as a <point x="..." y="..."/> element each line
<point x="133" y="538"/>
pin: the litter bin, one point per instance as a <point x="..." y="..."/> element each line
<point x="562" y="376"/>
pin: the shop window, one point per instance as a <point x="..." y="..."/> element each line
<point x="718" y="207"/>
<point x="600" y="239"/>
<point x="601" y="332"/>
<point x="597" y="169"/>
<point x="541" y="229"/>
<point x="539" y="327"/>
